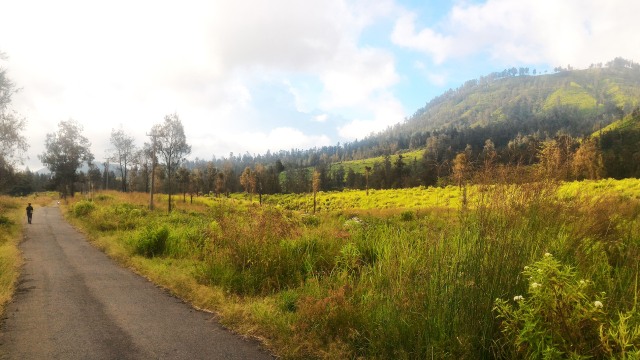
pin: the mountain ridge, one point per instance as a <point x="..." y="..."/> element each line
<point x="597" y="90"/>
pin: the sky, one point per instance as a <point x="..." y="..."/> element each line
<point x="251" y="76"/>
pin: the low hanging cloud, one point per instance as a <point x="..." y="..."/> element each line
<point x="257" y="142"/>
<point x="387" y="112"/>
<point x="357" y="76"/>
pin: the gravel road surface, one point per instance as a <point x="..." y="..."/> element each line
<point x="73" y="302"/>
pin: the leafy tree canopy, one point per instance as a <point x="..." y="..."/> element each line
<point x="65" y="151"/>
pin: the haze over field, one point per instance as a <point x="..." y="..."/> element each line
<point x="245" y="76"/>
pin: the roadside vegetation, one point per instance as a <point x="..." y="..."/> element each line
<point x="10" y="234"/>
<point x="12" y="218"/>
<point x="526" y="271"/>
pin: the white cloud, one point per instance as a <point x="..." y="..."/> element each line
<point x="304" y="96"/>
<point x="574" y="31"/>
<point x="122" y="62"/>
<point x="256" y="142"/>
<point x="321" y="118"/>
<point x="387" y="111"/>
<point x="212" y="62"/>
<point x="286" y="34"/>
<point x="425" y="40"/>
<point x="131" y="63"/>
<point x="439" y="79"/>
<point x="358" y="75"/>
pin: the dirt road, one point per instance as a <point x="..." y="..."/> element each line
<point x="73" y="302"/>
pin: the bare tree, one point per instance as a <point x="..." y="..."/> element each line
<point x="260" y="174"/>
<point x="367" y="172"/>
<point x="183" y="177"/>
<point x="461" y="167"/>
<point x="196" y="183"/>
<point x="587" y="161"/>
<point x="220" y="184"/>
<point x="123" y="152"/>
<point x="141" y="161"/>
<point x="172" y="146"/>
<point x="315" y="184"/>
<point x="248" y="181"/>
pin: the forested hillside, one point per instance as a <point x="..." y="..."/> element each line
<point x="620" y="144"/>
<point x="515" y="125"/>
<point x="572" y="100"/>
<point x="512" y="119"/>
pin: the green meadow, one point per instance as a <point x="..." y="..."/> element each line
<point x="541" y="270"/>
<point x="358" y="166"/>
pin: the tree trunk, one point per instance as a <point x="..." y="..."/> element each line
<point x="169" y="182"/>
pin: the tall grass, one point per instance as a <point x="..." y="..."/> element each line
<point x="427" y="288"/>
<point x="10" y="223"/>
<point x="418" y="282"/>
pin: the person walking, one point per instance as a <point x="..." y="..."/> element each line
<point x="29" y="212"/>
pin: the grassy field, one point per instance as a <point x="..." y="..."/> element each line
<point x="573" y="95"/>
<point x="391" y="200"/>
<point x="517" y="272"/>
<point x="358" y="166"/>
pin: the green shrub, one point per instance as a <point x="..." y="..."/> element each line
<point x="113" y="217"/>
<point x="188" y="240"/>
<point x="563" y="316"/>
<point x="407" y="215"/>
<point x="83" y="208"/>
<point x="151" y="241"/>
<point x="218" y="272"/>
<point x="5" y="221"/>
<point x="105" y="224"/>
<point x="103" y="197"/>
<point x="311" y="220"/>
<point x="287" y="300"/>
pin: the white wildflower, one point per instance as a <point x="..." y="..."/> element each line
<point x="518" y="298"/>
<point x="526" y="268"/>
<point x="353" y="222"/>
<point x="597" y="304"/>
<point x="535" y="285"/>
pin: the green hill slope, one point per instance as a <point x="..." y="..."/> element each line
<point x="574" y="101"/>
<point x="630" y="122"/>
<point x="620" y="144"/>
